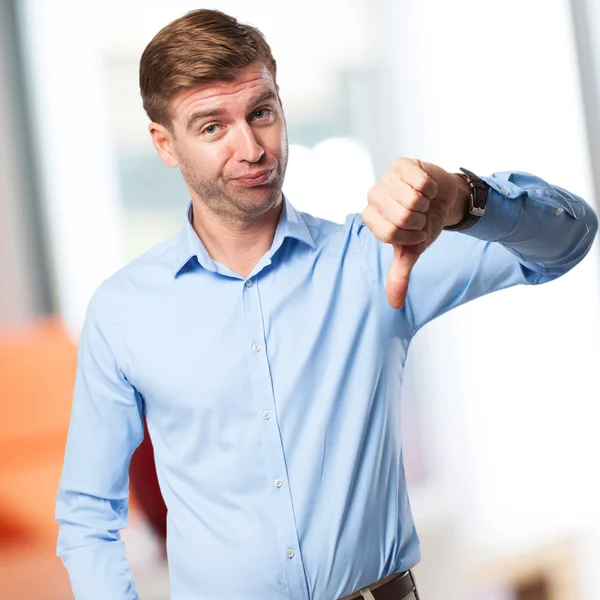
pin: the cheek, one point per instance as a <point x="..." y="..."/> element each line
<point x="275" y="141"/>
<point x="202" y="160"/>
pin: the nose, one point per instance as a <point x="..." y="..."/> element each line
<point x="247" y="147"/>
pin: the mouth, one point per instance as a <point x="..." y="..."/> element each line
<point x="254" y="179"/>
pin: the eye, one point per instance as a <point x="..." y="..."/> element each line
<point x="262" y="113"/>
<point x="210" y="129"/>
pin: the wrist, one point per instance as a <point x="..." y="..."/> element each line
<point x="461" y="204"/>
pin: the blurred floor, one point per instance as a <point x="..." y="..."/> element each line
<point x="32" y="572"/>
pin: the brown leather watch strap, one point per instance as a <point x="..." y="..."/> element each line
<point x="479" y="190"/>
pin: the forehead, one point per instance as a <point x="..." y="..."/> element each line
<point x="250" y="83"/>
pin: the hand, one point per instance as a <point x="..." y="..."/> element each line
<point x="409" y="208"/>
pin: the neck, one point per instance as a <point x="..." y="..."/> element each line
<point x="237" y="245"/>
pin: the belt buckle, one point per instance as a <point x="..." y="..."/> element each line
<point x="367" y="594"/>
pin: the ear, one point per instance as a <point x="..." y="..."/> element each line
<point x="162" y="139"/>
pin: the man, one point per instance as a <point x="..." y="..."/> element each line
<point x="266" y="346"/>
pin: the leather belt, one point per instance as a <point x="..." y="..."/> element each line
<point x="394" y="587"/>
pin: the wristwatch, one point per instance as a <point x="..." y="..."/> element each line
<point x="479" y="194"/>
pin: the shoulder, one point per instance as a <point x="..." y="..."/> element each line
<point x="150" y="268"/>
<point x="322" y="228"/>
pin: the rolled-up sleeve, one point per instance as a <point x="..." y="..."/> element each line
<point x="105" y="429"/>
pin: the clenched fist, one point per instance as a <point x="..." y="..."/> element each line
<point x="409" y="208"/>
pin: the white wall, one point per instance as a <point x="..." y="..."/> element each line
<point x="493" y="86"/>
<point x="75" y="151"/>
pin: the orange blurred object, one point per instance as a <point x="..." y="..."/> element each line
<point x="37" y="373"/>
<point x="38" y="363"/>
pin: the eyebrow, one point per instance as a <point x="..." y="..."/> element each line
<point x="217" y="112"/>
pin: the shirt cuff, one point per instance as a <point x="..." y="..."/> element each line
<point x="502" y="210"/>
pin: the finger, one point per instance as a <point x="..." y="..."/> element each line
<point x="388" y="232"/>
<point x="399" y="212"/>
<point x="392" y="186"/>
<point x="404" y="218"/>
<point x="412" y="173"/>
<point x="399" y="276"/>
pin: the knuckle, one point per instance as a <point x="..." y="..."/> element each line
<point x="422" y="181"/>
<point x="421" y="203"/>
<point x="388" y="234"/>
<point x="372" y="195"/>
<point x="405" y="216"/>
<point x="400" y="164"/>
<point x="413" y="238"/>
<point x="414" y="200"/>
<point x="402" y="221"/>
<point x="416" y="221"/>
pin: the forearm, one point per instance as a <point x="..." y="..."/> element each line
<point x="106" y="427"/>
<point x="97" y="565"/>
<point x="89" y="541"/>
<point x="546" y="227"/>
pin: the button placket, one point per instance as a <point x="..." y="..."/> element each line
<point x="279" y="499"/>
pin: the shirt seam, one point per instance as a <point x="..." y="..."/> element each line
<point x="143" y="259"/>
<point x="358" y="242"/>
<point x="117" y="348"/>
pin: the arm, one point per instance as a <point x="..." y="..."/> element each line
<point x="105" y="429"/>
<point x="532" y="232"/>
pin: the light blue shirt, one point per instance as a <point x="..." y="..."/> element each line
<point x="273" y="402"/>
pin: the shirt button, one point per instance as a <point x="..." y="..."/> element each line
<point x="266" y="414"/>
<point x="505" y="191"/>
<point x="290" y="553"/>
<point x="559" y="211"/>
<point x="278" y="483"/>
<point x="255" y="347"/>
<point x="248" y="282"/>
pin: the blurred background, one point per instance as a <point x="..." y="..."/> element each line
<point x="502" y="397"/>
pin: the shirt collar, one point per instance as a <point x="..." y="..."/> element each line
<point x="290" y="224"/>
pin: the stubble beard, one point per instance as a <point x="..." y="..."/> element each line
<point x="237" y="206"/>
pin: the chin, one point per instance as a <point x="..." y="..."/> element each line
<point x="259" y="201"/>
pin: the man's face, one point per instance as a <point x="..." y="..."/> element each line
<point x="229" y="140"/>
